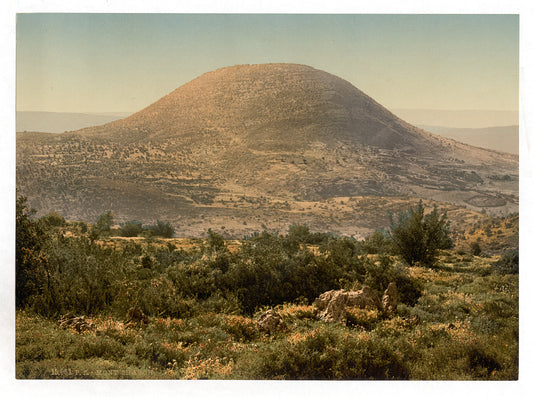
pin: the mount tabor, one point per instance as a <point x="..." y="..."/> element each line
<point x="255" y="147"/>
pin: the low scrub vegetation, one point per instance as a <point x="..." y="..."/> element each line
<point x="157" y="308"/>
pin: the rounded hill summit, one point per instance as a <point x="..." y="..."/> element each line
<point x="272" y="102"/>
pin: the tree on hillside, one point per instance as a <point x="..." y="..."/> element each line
<point x="102" y="226"/>
<point x="105" y="221"/>
<point x="417" y="238"/>
<point x="31" y="266"/>
<point x="53" y="219"/>
<point x="215" y="242"/>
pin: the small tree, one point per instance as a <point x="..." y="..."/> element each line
<point x="299" y="233"/>
<point x="32" y="272"/>
<point x="475" y="248"/>
<point x="508" y="263"/>
<point x="417" y="237"/>
<point x="53" y="219"/>
<point x="215" y="242"/>
<point x="105" y="221"/>
<point x="378" y="243"/>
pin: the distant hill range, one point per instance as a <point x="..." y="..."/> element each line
<point x="61" y="122"/>
<point x="260" y="146"/>
<point x="505" y="138"/>
<point x="459" y="118"/>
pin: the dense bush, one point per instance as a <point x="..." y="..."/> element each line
<point x="104" y="222"/>
<point x="417" y="237"/>
<point x="326" y="354"/>
<point x="53" y="219"/>
<point x="82" y="275"/>
<point x="31" y="271"/>
<point x="378" y="242"/>
<point x="131" y="229"/>
<point x="161" y="229"/>
<point x="508" y="263"/>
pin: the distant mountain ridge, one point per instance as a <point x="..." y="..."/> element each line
<point x="459" y="118"/>
<point x="254" y="145"/>
<point x="502" y="138"/>
<point x="57" y="122"/>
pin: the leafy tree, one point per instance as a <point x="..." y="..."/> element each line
<point x="378" y="243"/>
<point x="53" y="219"/>
<point x="298" y="233"/>
<point x="31" y="266"/>
<point x="417" y="237"/>
<point x="215" y="242"/>
<point x="105" y="221"/>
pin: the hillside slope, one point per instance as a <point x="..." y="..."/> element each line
<point x="245" y="143"/>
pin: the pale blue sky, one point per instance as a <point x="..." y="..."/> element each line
<point x="124" y="62"/>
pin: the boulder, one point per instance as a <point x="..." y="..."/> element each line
<point x="77" y="323"/>
<point x="331" y="305"/>
<point x="365" y="298"/>
<point x="270" y="322"/>
<point x="323" y="300"/>
<point x="389" y="302"/>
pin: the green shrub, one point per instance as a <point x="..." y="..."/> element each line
<point x="508" y="263"/>
<point x="417" y="237"/>
<point x="325" y="353"/>
<point x="131" y="229"/>
<point x="104" y="222"/>
<point x="475" y="248"/>
<point x="378" y="243"/>
<point x="30" y="265"/>
<point x="161" y="229"/>
<point x="53" y="219"/>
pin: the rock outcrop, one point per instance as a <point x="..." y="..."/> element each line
<point x="270" y="322"/>
<point x="331" y="305"/>
<point x="389" y="302"/>
<point x="78" y="323"/>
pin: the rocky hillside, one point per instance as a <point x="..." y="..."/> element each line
<point x="256" y="145"/>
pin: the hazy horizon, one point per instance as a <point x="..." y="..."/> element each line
<point x="468" y="118"/>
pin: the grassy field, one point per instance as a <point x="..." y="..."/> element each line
<point x="463" y="326"/>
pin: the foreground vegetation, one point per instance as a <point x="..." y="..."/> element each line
<point x="187" y="309"/>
